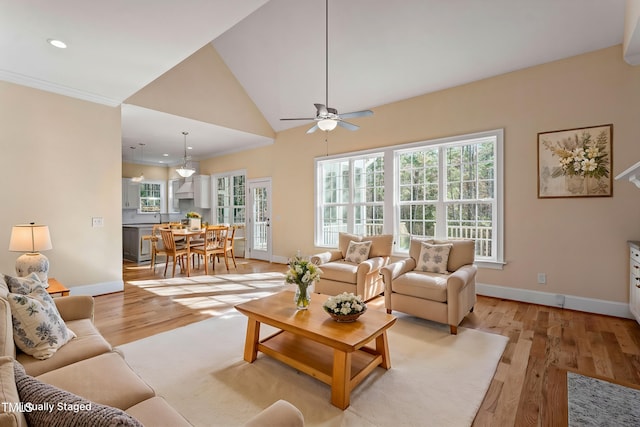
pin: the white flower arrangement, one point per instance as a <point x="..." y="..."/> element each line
<point x="344" y="304"/>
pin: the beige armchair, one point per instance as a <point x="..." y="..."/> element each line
<point x="446" y="296"/>
<point x="357" y="272"/>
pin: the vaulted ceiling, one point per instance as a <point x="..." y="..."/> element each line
<point x="379" y="52"/>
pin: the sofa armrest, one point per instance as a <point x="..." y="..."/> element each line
<point x="325" y="257"/>
<point x="459" y="279"/>
<point x="279" y="414"/>
<point x="75" y="307"/>
<point x="395" y="269"/>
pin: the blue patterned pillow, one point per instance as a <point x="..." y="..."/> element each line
<point x="433" y="258"/>
<point x="38" y="328"/>
<point x="22" y="285"/>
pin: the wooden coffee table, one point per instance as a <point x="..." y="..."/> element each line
<point x="311" y="342"/>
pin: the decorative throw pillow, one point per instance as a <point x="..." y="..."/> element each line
<point x="56" y="407"/>
<point x="358" y="252"/>
<point x="23" y="285"/>
<point x="38" y="328"/>
<point x="433" y="258"/>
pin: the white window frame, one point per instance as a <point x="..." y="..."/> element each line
<point x="163" y="196"/>
<point x="392" y="186"/>
<point x="214" y="185"/>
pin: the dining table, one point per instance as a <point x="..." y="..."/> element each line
<point x="187" y="234"/>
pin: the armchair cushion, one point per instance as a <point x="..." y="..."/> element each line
<point x="358" y="252"/>
<point x="340" y="271"/>
<point x="343" y="242"/>
<point x="462" y="251"/>
<point x="381" y="245"/>
<point x="434" y="258"/>
<point x="422" y="285"/>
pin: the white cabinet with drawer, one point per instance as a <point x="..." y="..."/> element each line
<point x="634" y="279"/>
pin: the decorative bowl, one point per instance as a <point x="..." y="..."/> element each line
<point x="346" y="318"/>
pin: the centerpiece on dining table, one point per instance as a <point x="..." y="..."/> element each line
<point x="195" y="220"/>
<point x="303" y="273"/>
<point x="345" y="307"/>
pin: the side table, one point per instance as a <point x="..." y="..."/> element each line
<point x="56" y="287"/>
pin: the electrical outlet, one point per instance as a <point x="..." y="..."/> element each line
<point x="542" y="278"/>
<point x="97" y="221"/>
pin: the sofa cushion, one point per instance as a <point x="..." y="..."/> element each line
<point x="4" y="288"/>
<point x="88" y="377"/>
<point x="344" y="239"/>
<point x="23" y="285"/>
<point x="357" y="252"/>
<point x="54" y="406"/>
<point x="462" y="253"/>
<point x="433" y="258"/>
<point x="340" y="271"/>
<point x="38" y="328"/>
<point x="7" y="346"/>
<point x="417" y="284"/>
<point x="10" y="416"/>
<point x="157" y="412"/>
<point x="88" y="343"/>
<point x="382" y="245"/>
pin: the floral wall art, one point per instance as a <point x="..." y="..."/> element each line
<point x="575" y="162"/>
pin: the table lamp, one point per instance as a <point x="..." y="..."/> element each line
<point x="31" y="238"/>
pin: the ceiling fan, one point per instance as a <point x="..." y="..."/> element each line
<point x="328" y="118"/>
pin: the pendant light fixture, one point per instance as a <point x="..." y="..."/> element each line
<point x="141" y="177"/>
<point x="185" y="171"/>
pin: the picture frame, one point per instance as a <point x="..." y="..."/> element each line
<point x="576" y="162"/>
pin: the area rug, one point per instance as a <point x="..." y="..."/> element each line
<point x="436" y="378"/>
<point x="594" y="402"/>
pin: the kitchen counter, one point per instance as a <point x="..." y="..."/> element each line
<point x="134" y="248"/>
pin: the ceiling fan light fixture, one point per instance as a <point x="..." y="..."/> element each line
<point x="327" y="124"/>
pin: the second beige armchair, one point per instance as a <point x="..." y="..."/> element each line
<point x="437" y="282"/>
<point x="355" y="266"/>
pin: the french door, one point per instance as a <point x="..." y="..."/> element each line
<point x="259" y="219"/>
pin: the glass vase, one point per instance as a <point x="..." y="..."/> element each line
<point x="302" y="297"/>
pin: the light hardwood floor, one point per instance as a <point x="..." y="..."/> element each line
<point x="542" y="340"/>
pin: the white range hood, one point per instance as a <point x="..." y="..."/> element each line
<point x="186" y="189"/>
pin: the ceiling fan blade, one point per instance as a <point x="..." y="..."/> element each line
<point x="313" y="129"/>
<point x="363" y="113"/>
<point x="348" y="125"/>
<point x="301" y="118"/>
<point x="322" y="110"/>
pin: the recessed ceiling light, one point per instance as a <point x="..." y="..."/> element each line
<point x="57" y="43"/>
<point x="166" y="155"/>
<point x="189" y="148"/>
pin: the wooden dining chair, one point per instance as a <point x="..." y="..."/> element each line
<point x="229" y="249"/>
<point x="216" y="242"/>
<point x="172" y="250"/>
<point x="155" y="242"/>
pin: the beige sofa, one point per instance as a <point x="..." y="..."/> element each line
<point x="446" y="296"/>
<point x="359" y="278"/>
<point x="88" y="367"/>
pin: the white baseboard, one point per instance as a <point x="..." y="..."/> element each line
<point x="571" y="302"/>
<point x="98" y="288"/>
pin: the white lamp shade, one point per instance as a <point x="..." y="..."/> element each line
<point x="327" y="124"/>
<point x="30" y="238"/>
<point x="185" y="172"/>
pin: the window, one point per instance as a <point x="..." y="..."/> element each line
<point x="151" y="197"/>
<point x="230" y="198"/>
<point x="352" y="197"/>
<point x="447" y="188"/>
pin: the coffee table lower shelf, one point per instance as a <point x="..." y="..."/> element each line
<point x="331" y="366"/>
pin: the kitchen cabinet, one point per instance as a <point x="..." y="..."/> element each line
<point x="133" y="247"/>
<point x="130" y="194"/>
<point x="173" y="204"/>
<point x="201" y="190"/>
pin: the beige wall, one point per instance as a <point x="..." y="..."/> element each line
<point x="61" y="165"/>
<point x="160" y="173"/>
<point x="203" y="88"/>
<point x="579" y="243"/>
